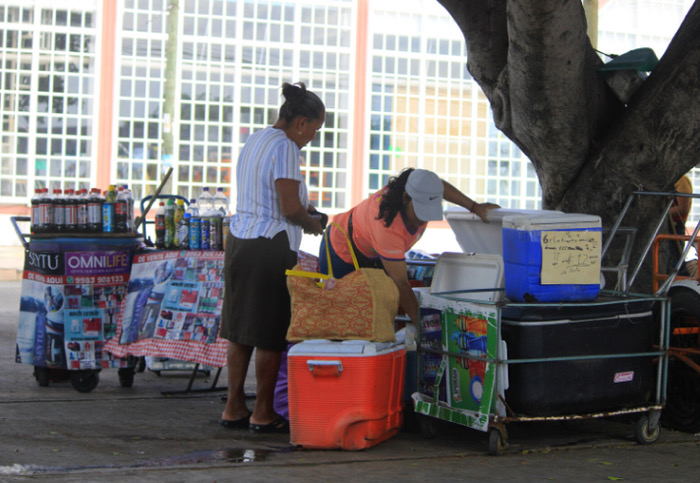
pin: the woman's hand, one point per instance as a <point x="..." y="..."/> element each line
<point x="481" y="209"/>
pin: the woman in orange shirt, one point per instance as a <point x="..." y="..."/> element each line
<point x="383" y="227"/>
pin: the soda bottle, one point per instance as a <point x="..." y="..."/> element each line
<point x="184" y="231"/>
<point x="121" y="208"/>
<point x="215" y="232"/>
<point x="129" y="209"/>
<point x="59" y="211"/>
<point x="220" y="201"/>
<point x="205" y="201"/>
<point x="160" y="226"/>
<point x="70" y="208"/>
<point x="94" y="207"/>
<point x="34" y="224"/>
<point x="177" y="219"/>
<point x="46" y="212"/>
<point x="82" y="199"/>
<point x="225" y="229"/>
<point x="108" y="210"/>
<point x="169" y="223"/>
<point x="205" y="238"/>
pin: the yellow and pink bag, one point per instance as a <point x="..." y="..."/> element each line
<point x="360" y="306"/>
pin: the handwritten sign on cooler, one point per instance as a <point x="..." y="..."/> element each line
<point x="570" y="257"/>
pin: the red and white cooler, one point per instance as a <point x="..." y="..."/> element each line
<point x="345" y="395"/>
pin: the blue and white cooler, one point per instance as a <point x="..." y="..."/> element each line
<point x="552" y="258"/>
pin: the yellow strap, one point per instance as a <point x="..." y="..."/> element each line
<point x="302" y="273"/>
<point x="347" y="240"/>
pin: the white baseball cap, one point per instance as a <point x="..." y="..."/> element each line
<point x="425" y="189"/>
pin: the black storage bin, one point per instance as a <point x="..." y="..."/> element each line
<point x="553" y="388"/>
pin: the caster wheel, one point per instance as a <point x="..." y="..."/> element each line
<point x="644" y="433"/>
<point x="497" y="442"/>
<point x="42" y="375"/>
<point x="84" y="381"/>
<point x="126" y="376"/>
<point x="428" y="427"/>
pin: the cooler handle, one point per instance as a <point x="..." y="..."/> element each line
<point x="325" y="368"/>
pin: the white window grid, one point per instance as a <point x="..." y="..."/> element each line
<point x="47" y="90"/>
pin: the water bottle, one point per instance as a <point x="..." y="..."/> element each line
<point x="205" y="201"/>
<point x="160" y="226"/>
<point x="221" y="201"/>
<point x="193" y="208"/>
<point x="121" y="208"/>
<point x="59" y="211"/>
<point x="94" y="207"/>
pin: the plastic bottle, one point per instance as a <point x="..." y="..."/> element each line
<point x="130" y="228"/>
<point x="82" y="200"/>
<point x="183" y="231"/>
<point x="59" y="211"/>
<point x="220" y="202"/>
<point x="195" y="233"/>
<point x="46" y="212"/>
<point x="70" y="208"/>
<point x="34" y="224"/>
<point x="108" y="210"/>
<point x="215" y="232"/>
<point x="169" y="223"/>
<point x="121" y="208"/>
<point x="177" y="219"/>
<point x="205" y="201"/>
<point x="193" y="208"/>
<point x="94" y="206"/>
<point x="160" y="226"/>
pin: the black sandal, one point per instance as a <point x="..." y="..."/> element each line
<point x="235" y="423"/>
<point x="279" y="425"/>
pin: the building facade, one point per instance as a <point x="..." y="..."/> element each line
<point x="99" y="92"/>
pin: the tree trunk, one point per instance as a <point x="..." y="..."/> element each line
<point x="535" y="64"/>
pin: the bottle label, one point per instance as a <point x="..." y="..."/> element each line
<point x="94" y="213"/>
<point x="108" y="217"/>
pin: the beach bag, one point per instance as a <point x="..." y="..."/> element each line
<point x="360" y="306"/>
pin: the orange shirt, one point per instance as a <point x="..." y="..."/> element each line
<point x="370" y="235"/>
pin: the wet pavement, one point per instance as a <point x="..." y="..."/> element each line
<point x="114" y="433"/>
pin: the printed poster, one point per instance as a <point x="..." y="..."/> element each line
<point x="68" y="307"/>
<point x="174" y="296"/>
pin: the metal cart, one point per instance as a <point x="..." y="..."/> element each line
<point x="475" y="367"/>
<point x="72" y="284"/>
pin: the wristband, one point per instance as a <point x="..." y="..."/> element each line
<point x="473" y="206"/>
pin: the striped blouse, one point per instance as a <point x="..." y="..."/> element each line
<point x="268" y="155"/>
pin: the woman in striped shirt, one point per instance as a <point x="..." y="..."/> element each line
<point x="272" y="212"/>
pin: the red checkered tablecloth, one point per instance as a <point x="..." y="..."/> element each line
<point x="210" y="354"/>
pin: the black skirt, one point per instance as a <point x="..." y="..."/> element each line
<point x="257" y="308"/>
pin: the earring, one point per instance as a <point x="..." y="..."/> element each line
<point x="299" y="133"/>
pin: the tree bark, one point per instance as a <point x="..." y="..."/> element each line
<point x="535" y="64"/>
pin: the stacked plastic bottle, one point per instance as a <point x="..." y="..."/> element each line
<point x="72" y="211"/>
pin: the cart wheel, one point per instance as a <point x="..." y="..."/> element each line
<point x="497" y="442"/>
<point x="84" y="381"/>
<point x="42" y="375"/>
<point x="428" y="427"/>
<point x="644" y="433"/>
<point x="126" y="376"/>
<point x="682" y="409"/>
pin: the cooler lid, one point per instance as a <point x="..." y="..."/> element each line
<point x="325" y="347"/>
<point x="475" y="236"/>
<point x="475" y="276"/>
<point x="548" y="222"/>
